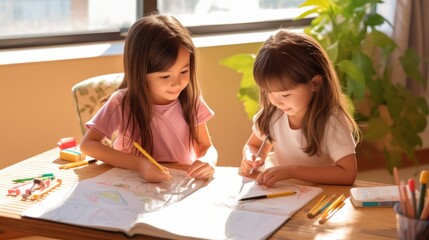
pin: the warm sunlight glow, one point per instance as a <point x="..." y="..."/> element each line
<point x="335" y="227"/>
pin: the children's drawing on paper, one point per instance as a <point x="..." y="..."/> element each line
<point x="107" y="197"/>
<point x="73" y="210"/>
<point x="281" y="205"/>
<point x="178" y="188"/>
<point x="118" y="196"/>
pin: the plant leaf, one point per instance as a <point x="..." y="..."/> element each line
<point x="423" y="105"/>
<point x="376" y="129"/>
<point x="383" y="41"/>
<point x="375" y="20"/>
<point x="321" y="4"/>
<point x="394" y="100"/>
<point x="248" y="93"/>
<point x="251" y="106"/>
<point x="357" y="83"/>
<point x="306" y="13"/>
<point x="240" y="62"/>
<point x="410" y="63"/>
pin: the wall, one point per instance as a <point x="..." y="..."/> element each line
<point x="38" y="109"/>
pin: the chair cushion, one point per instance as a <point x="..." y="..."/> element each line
<point x="89" y="93"/>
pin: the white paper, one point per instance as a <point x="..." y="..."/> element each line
<point x="183" y="208"/>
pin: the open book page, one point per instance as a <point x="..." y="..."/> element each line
<point x="235" y="187"/>
<point x="114" y="199"/>
<point x="286" y="205"/>
<point x="214" y="212"/>
<point x="119" y="200"/>
<point x="155" y="195"/>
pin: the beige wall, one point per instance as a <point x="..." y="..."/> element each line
<point x="38" y="109"/>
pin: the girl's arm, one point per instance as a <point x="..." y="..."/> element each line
<point x="92" y="146"/>
<point x="250" y="150"/>
<point x="206" y="154"/>
<point x="343" y="173"/>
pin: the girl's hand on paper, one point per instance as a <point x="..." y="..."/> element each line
<point x="272" y="175"/>
<point x="151" y="173"/>
<point x="200" y="170"/>
<point x="250" y="161"/>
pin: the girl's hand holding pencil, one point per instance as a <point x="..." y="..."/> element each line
<point x="257" y="161"/>
<point x="250" y="164"/>
<point x="151" y="173"/>
<point x="152" y="170"/>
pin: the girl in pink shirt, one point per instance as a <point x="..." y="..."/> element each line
<point x="158" y="105"/>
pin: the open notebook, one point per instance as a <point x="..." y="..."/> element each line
<point x="119" y="200"/>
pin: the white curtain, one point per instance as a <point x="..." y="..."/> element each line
<point x="411" y="30"/>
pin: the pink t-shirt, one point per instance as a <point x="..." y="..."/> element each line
<point x="169" y="129"/>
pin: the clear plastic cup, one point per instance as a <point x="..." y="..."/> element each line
<point x="410" y="228"/>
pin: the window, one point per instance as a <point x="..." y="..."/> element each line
<point x="215" y="16"/>
<point x="27" y="23"/>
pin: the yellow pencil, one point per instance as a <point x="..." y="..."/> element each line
<point x="77" y="164"/>
<point x="272" y="195"/>
<point x="316" y="206"/>
<point x="148" y="156"/>
<point x="323" y="205"/>
<point x="323" y="220"/>
<point x="331" y="207"/>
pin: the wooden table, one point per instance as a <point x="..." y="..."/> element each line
<point x="348" y="223"/>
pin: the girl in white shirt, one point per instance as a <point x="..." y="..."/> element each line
<point x="305" y="116"/>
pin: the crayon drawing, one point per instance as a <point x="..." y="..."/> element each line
<point x="118" y="196"/>
<point x="119" y="200"/>
<point x="179" y="187"/>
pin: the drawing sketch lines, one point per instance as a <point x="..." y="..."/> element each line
<point x="107" y="197"/>
<point x="119" y="196"/>
<point x="131" y="181"/>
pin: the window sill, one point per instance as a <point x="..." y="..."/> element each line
<point x="56" y="53"/>
<point x="78" y="51"/>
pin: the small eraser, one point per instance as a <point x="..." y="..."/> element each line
<point x="72" y="154"/>
<point x="67" y="142"/>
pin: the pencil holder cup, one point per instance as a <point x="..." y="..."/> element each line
<point x="410" y="228"/>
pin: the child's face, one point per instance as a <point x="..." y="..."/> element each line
<point x="293" y="102"/>
<point x="166" y="86"/>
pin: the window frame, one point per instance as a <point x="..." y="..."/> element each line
<point x="143" y="7"/>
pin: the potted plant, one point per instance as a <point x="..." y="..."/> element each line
<point x="390" y="115"/>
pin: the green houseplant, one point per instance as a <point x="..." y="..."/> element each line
<point x="393" y="116"/>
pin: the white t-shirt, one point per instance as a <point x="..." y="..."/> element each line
<point x="288" y="144"/>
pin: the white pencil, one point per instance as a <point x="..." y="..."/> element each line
<point x="258" y="153"/>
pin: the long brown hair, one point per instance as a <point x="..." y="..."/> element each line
<point x="288" y="59"/>
<point x="152" y="45"/>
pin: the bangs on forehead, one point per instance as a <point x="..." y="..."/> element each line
<point x="277" y="84"/>
<point x="273" y="72"/>
<point x="163" y="55"/>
